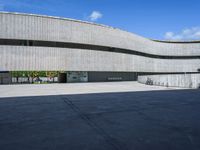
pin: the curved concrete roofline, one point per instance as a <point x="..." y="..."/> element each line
<point x="70" y="19"/>
<point x="56" y="17"/>
<point x="102" y="25"/>
<point x="74" y="20"/>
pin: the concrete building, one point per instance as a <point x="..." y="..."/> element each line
<point x="87" y="51"/>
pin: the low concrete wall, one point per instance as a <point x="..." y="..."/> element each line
<point x="175" y="80"/>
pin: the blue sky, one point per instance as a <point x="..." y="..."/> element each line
<point x="157" y="19"/>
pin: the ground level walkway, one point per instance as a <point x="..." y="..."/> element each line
<point x="74" y="88"/>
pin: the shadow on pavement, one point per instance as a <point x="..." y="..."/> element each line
<point x="110" y="121"/>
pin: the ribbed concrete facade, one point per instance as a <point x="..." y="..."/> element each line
<point x="39" y="58"/>
<point x="52" y="29"/>
<point x="172" y="80"/>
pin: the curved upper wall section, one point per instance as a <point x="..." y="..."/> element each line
<point x="35" y="27"/>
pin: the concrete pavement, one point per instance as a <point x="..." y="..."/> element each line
<point x="74" y="88"/>
<point x="141" y="120"/>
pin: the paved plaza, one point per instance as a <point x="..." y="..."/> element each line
<point x="20" y="90"/>
<point x="148" y="118"/>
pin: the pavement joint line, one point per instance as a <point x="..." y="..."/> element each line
<point x="100" y="131"/>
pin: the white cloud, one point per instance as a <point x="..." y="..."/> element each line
<point x="169" y="35"/>
<point x="186" y="34"/>
<point x="95" y="15"/>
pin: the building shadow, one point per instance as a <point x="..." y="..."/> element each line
<point x="126" y="120"/>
